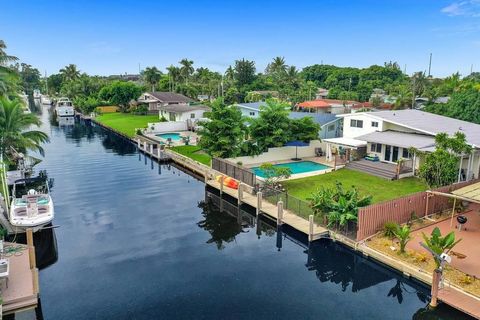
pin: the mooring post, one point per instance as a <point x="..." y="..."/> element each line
<point x="145" y="146"/>
<point x="280" y="212"/>
<point x="151" y="149"/>
<point x="138" y="143"/>
<point x="240" y="193"/>
<point x="31" y="248"/>
<point x="259" y="202"/>
<point x="437" y="276"/>
<point x="222" y="178"/>
<point x="310" y="231"/>
<point x="159" y="153"/>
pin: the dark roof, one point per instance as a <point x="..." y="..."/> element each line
<point x="170" y="97"/>
<point x="320" y="118"/>
<point x="184" y="108"/>
<point x="253" y="105"/>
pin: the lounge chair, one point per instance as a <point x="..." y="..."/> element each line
<point x="318" y="152"/>
<point x="372" y="157"/>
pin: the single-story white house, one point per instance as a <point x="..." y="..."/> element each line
<point x="387" y="136"/>
<point x="155" y="100"/>
<point x="250" y="109"/>
<point x="182" y="112"/>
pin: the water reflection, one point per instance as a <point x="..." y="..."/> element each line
<point x="331" y="262"/>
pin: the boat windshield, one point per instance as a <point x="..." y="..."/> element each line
<point x="30" y="186"/>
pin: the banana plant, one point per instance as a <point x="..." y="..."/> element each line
<point x="403" y="236"/>
<point x="439" y="244"/>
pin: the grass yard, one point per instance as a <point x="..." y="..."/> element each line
<point x="380" y="189"/>
<point x="194" y="152"/>
<point x="126" y="122"/>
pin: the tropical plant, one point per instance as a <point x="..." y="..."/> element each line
<point x="15" y="129"/>
<point x="244" y="72"/>
<point x="440" y="167"/>
<point x="70" y="72"/>
<point x="340" y="205"/>
<point x="120" y="93"/>
<point x="273" y="174"/>
<point x="389" y="229"/>
<point x="4" y="57"/>
<point x="152" y="76"/>
<point x="277" y="66"/>
<point x="439" y="244"/>
<point x="403" y="236"/>
<point x="186" y="69"/>
<point x="223" y="135"/>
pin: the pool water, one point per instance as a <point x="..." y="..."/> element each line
<point x="295" y="167"/>
<point x="173" y="136"/>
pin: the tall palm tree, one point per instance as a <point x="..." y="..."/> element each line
<point x="4" y="57"/>
<point x="15" y="128"/>
<point x="173" y="75"/>
<point x="70" y="72"/>
<point x="278" y="65"/>
<point x="152" y="76"/>
<point x="186" y="69"/>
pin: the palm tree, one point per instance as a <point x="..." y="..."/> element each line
<point x="4" y="57"/>
<point x="173" y="75"/>
<point x="70" y="72"/>
<point x="186" y="69"/>
<point x="278" y="65"/>
<point x="152" y="76"/>
<point x="14" y="128"/>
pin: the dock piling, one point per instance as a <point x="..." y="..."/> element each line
<point x="240" y="193"/>
<point x="259" y="202"/>
<point x="151" y="149"/>
<point x="279" y="213"/>
<point x="222" y="178"/>
<point x="310" y="230"/>
<point x="31" y="248"/>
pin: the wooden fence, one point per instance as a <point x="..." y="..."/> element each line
<point x="371" y="219"/>
<point x="234" y="171"/>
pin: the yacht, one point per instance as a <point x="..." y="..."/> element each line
<point x="45" y="100"/>
<point x="32" y="206"/>
<point x="36" y="94"/>
<point x="64" y="108"/>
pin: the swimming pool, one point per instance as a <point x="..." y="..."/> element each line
<point x="295" y="167"/>
<point x="174" y="136"/>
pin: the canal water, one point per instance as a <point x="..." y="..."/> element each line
<point x="138" y="240"/>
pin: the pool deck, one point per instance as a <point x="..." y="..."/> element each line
<point x="193" y="137"/>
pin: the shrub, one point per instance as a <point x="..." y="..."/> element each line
<point x="389" y="229"/>
<point x="403" y="236"/>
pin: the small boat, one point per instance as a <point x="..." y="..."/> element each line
<point x="31" y="206"/>
<point x="36" y="94"/>
<point x="64" y="108"/>
<point x="45" y="100"/>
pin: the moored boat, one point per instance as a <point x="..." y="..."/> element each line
<point x="31" y="205"/>
<point x="64" y="108"/>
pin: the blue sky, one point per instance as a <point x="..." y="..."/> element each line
<point x="111" y="37"/>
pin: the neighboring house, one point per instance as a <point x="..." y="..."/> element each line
<point x="321" y="94"/>
<point x="327" y="106"/>
<point x="250" y="109"/>
<point x="183" y="112"/>
<point x="330" y="125"/>
<point x="389" y="135"/>
<point x="155" y="100"/>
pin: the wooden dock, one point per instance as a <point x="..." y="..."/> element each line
<point x="22" y="291"/>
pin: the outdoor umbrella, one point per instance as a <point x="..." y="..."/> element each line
<point x="296" y="144"/>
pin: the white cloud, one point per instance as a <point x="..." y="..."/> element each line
<point x="470" y="8"/>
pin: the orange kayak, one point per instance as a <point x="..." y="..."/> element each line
<point x="228" y="182"/>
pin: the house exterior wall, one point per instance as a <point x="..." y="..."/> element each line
<point x="353" y="132"/>
<point x="249" y="112"/>
<point x="182" y="116"/>
<point x="331" y="130"/>
<point x="171" y="126"/>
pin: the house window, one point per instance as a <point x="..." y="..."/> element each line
<point x="376" y="147"/>
<point x="252" y="113"/>
<point x="375" y="124"/>
<point x="192" y="115"/>
<point x="331" y="128"/>
<point x="356" y="123"/>
<point x="405" y="153"/>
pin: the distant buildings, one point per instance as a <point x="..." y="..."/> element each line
<point x="332" y="106"/>
<point x="155" y="100"/>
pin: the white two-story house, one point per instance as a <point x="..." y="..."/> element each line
<point x="388" y="136"/>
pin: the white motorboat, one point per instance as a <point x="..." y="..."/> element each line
<point x="45" y="100"/>
<point x="31" y="205"/>
<point x="64" y="108"/>
<point x="36" y="94"/>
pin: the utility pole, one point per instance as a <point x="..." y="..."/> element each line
<point x="405" y="69"/>
<point x="471" y="69"/>
<point x="430" y="66"/>
<point x="413" y="91"/>
<point x="139" y="70"/>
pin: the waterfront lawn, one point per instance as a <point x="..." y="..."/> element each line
<point x="380" y="189"/>
<point x="126" y="122"/>
<point x="193" y="152"/>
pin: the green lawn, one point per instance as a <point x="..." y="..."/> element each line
<point x="126" y="122"/>
<point x="194" y="153"/>
<point x="380" y="189"/>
